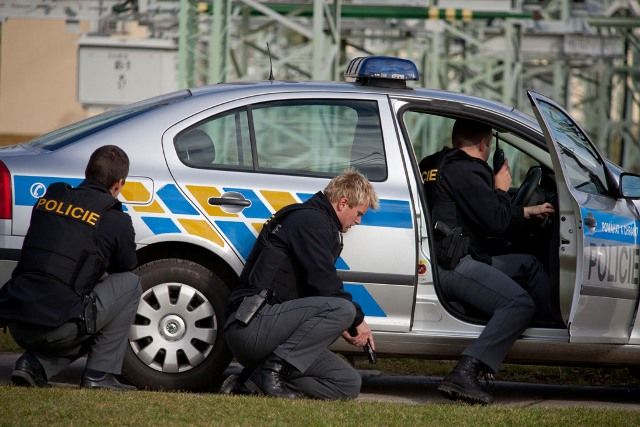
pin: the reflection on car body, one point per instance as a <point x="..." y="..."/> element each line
<point x="210" y="165"/>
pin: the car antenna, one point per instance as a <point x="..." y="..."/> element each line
<point x="270" y="64"/>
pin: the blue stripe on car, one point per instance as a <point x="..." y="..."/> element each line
<point x="239" y="234"/>
<point x="611" y="227"/>
<point x="160" y="225"/>
<point x="391" y="213"/>
<point x="341" y="264"/>
<point x="362" y="296"/>
<point x="175" y="201"/>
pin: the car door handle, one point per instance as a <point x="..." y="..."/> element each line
<point x="229" y="201"/>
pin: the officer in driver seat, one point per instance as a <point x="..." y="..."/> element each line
<point x="57" y="303"/>
<point x="469" y="203"/>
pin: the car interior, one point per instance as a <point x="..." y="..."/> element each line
<point x="533" y="183"/>
<point x="195" y="148"/>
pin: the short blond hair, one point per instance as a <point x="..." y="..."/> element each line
<point x="354" y="186"/>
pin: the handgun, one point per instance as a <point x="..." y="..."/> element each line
<point x="371" y="353"/>
<point x="443" y="228"/>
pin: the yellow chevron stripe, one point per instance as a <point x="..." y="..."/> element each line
<point x="278" y="199"/>
<point x="257" y="226"/>
<point x="153" y="208"/>
<point x="135" y="192"/>
<point x="201" y="228"/>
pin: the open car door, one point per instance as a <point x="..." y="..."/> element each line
<point x="598" y="234"/>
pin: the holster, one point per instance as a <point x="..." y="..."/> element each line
<point x="250" y="306"/>
<point x="451" y="247"/>
<point x="88" y="321"/>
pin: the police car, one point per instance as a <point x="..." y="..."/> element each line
<point x="210" y="165"/>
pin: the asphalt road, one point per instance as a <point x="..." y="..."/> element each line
<point x="379" y="387"/>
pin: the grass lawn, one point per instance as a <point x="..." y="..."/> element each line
<point x="73" y="406"/>
<point x="62" y="406"/>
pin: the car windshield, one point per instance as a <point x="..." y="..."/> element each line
<point x="69" y="134"/>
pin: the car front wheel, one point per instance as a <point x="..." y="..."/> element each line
<point x="176" y="340"/>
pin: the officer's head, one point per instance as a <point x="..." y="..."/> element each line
<point x="109" y="166"/>
<point x="351" y="194"/>
<point x="474" y="136"/>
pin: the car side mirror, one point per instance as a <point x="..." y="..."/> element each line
<point x="630" y="185"/>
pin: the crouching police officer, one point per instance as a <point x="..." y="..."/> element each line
<point x="57" y="305"/>
<point x="290" y="304"/>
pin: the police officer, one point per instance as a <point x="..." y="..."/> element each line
<point x="473" y="204"/>
<point x="57" y="303"/>
<point x="282" y="342"/>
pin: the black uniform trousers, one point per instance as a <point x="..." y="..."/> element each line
<point x="513" y="290"/>
<point x="299" y="332"/>
<point x="117" y="298"/>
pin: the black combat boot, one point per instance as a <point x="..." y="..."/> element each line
<point x="269" y="379"/>
<point x="236" y="384"/>
<point x="462" y="383"/>
<point x="29" y="372"/>
<point x="102" y="380"/>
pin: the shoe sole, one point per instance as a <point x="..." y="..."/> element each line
<point x="453" y="392"/>
<point x="253" y="388"/>
<point x="23" y="379"/>
<point x="229" y="384"/>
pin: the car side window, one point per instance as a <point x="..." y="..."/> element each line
<point x="585" y="169"/>
<point x="222" y="141"/>
<point x="430" y="133"/>
<point x="319" y="137"/>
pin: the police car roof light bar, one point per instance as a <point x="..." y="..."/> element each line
<point x="383" y="71"/>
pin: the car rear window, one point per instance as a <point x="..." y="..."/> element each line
<point x="76" y="131"/>
<point x="299" y="137"/>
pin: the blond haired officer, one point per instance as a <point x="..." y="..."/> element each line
<point x="282" y="342"/>
<point x="56" y="304"/>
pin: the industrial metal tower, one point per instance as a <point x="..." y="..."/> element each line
<point x="584" y="54"/>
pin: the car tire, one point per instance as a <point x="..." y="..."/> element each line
<point x="176" y="341"/>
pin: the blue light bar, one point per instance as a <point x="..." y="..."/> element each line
<point x="365" y="68"/>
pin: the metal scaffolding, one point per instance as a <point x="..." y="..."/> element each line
<point x="584" y="54"/>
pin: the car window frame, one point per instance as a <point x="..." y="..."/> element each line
<point x="255" y="167"/>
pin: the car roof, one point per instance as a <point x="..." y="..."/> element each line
<point x="236" y="90"/>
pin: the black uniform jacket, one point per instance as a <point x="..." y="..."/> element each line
<point x="36" y="293"/>
<point x="311" y="242"/>
<point x="460" y="192"/>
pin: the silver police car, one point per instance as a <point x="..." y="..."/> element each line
<point x="210" y="165"/>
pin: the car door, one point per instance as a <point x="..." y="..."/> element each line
<point x="598" y="233"/>
<point x="239" y="163"/>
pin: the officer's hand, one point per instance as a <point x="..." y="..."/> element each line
<point x="503" y="177"/>
<point x="539" y="211"/>
<point x="364" y="335"/>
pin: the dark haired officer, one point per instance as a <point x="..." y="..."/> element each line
<point x="464" y="194"/>
<point x="58" y="304"/>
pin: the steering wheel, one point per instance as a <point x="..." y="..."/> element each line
<point x="528" y="187"/>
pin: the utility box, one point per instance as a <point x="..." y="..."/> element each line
<point x="115" y="72"/>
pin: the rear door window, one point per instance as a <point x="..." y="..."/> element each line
<point x="297" y="137"/>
